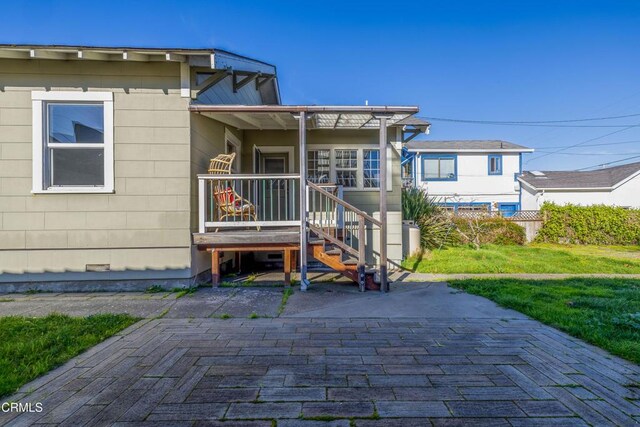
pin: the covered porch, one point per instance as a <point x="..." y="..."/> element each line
<point x="285" y="191"/>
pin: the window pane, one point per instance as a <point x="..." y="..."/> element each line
<point x="79" y="166"/>
<point x="495" y="164"/>
<point x="372" y="168"/>
<point x="76" y="123"/>
<point x="347" y="159"/>
<point x="318" y="166"/>
<point x="346" y="178"/>
<point x="431" y="168"/>
<point x="447" y="168"/>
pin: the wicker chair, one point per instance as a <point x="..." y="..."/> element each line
<point x="221" y="164"/>
<point x="228" y="202"/>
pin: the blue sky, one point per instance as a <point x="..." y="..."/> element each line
<point x="477" y="60"/>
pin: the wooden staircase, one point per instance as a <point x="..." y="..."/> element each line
<point x="336" y="236"/>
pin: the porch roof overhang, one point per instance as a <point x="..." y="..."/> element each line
<point x="282" y="117"/>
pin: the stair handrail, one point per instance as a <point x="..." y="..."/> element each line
<point x="339" y="243"/>
<point x="344" y="204"/>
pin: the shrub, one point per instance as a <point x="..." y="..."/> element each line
<point x="436" y="231"/>
<point x="589" y="225"/>
<point x="416" y="204"/>
<point x="490" y="230"/>
<point x="439" y="228"/>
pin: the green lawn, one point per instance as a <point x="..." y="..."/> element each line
<point x="30" y="347"/>
<point x="534" y="258"/>
<point x="604" y="312"/>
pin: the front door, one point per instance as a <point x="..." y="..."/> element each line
<point x="274" y="191"/>
<point x="273" y="163"/>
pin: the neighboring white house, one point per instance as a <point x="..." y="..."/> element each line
<point x="617" y="186"/>
<point x="467" y="175"/>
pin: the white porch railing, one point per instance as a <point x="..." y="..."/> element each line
<point x="248" y="200"/>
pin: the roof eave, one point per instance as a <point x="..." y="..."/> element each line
<point x="578" y="189"/>
<point x="109" y="53"/>
<point x="478" y="150"/>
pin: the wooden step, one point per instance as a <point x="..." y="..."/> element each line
<point x="333" y="251"/>
<point x="333" y="258"/>
<point x="350" y="261"/>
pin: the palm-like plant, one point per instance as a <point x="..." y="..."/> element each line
<point x="435" y="225"/>
<point x="417" y="204"/>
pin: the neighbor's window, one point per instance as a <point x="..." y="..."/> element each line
<point x="495" y="164"/>
<point x="74" y="142"/>
<point x="347" y="168"/>
<point x="371" y="168"/>
<point x="439" y="168"/>
<point x="407" y="170"/>
<point x="318" y="167"/>
<point x="480" y="207"/>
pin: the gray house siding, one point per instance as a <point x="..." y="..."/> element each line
<point x="145" y="225"/>
<point x="207" y="141"/>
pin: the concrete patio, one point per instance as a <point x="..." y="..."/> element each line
<point x="423" y="354"/>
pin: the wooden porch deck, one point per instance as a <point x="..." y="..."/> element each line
<point x="248" y="237"/>
<point x="275" y="239"/>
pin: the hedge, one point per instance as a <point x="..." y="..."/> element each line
<point x="589" y="225"/>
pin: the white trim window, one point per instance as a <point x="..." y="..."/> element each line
<point x="356" y="168"/>
<point x="318" y="166"/>
<point x="346" y="161"/>
<point x="72" y="142"/>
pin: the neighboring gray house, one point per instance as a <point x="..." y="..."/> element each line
<point x="104" y="154"/>
<point x="615" y="186"/>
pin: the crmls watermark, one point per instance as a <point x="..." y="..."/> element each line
<point x="21" y="407"/>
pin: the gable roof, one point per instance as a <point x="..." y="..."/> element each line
<point x="413" y="121"/>
<point x="606" y="178"/>
<point x="203" y="58"/>
<point x="473" y="145"/>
